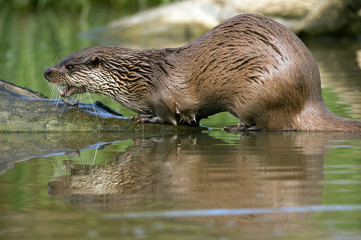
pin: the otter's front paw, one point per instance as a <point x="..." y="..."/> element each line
<point x="147" y="118"/>
<point x="240" y="128"/>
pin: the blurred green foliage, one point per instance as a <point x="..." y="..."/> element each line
<point x="36" y="34"/>
<point x="76" y="5"/>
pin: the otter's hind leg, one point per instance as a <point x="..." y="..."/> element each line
<point x="246" y="123"/>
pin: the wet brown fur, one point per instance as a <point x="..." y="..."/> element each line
<point x="249" y="65"/>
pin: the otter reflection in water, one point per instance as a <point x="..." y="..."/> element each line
<point x="249" y="65"/>
<point x="196" y="171"/>
<point x="262" y="170"/>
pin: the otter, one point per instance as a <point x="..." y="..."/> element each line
<point x="249" y="65"/>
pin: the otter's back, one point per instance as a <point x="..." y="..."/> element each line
<point x="252" y="60"/>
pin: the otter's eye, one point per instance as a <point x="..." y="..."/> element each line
<point x="69" y="67"/>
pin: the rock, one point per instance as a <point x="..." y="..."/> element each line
<point x="168" y="25"/>
<point x="331" y="16"/>
<point x="178" y="23"/>
<point x="287" y="9"/>
<point x="23" y="110"/>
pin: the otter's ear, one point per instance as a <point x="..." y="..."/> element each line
<point x="95" y="61"/>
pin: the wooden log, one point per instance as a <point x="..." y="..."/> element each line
<point x="23" y="110"/>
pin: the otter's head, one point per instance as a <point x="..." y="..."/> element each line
<point x="120" y="73"/>
<point x="78" y="72"/>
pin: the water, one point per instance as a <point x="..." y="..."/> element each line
<point x="191" y="186"/>
<point x="207" y="185"/>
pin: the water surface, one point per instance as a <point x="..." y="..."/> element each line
<point x="207" y="185"/>
<point x="192" y="186"/>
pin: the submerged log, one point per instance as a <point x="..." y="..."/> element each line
<point x="23" y="110"/>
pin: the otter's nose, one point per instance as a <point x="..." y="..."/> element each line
<point x="48" y="72"/>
